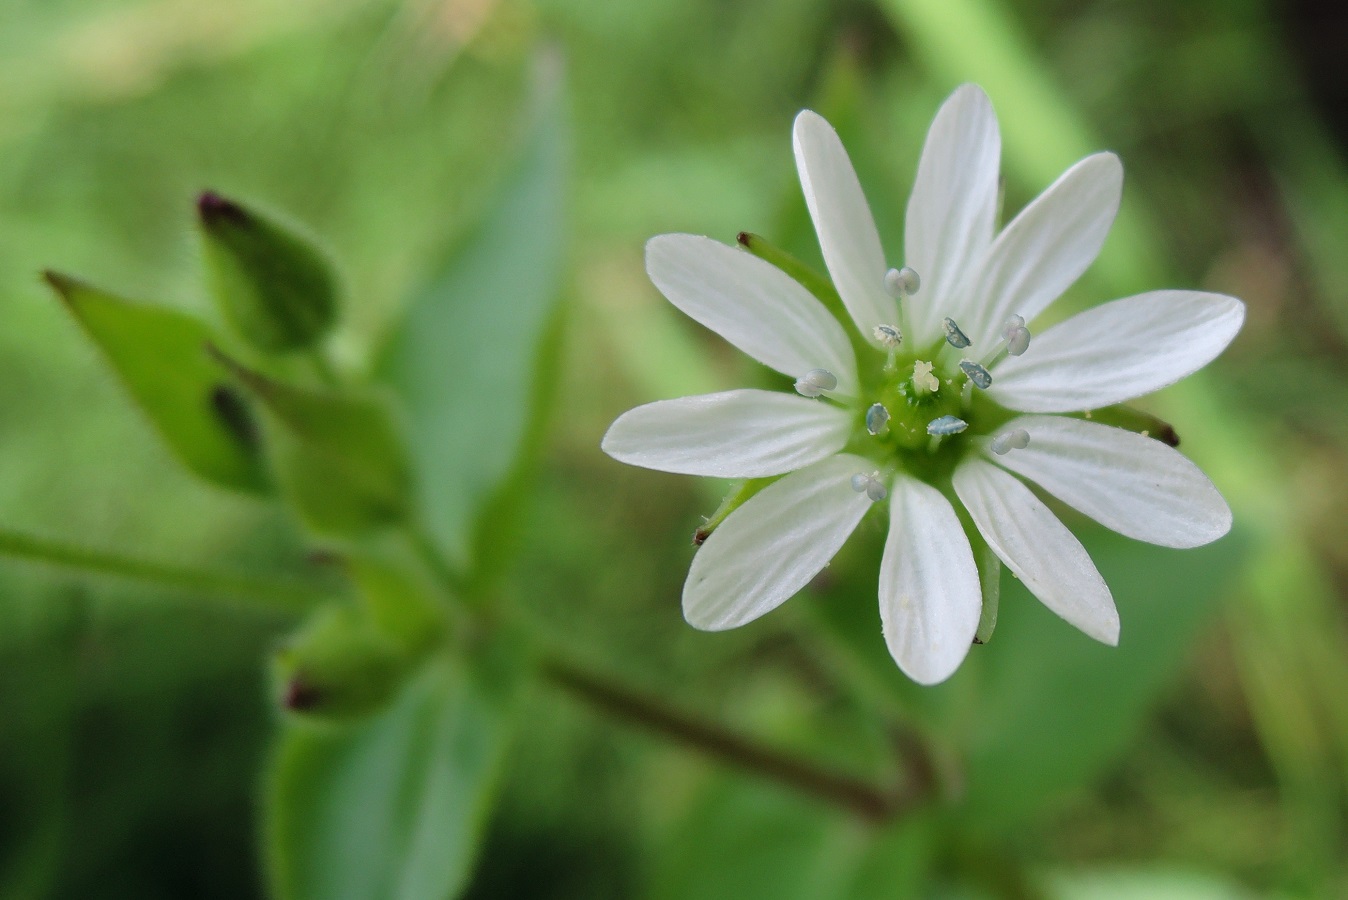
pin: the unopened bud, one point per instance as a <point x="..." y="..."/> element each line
<point x="274" y="286"/>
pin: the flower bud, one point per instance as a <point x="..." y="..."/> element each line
<point x="274" y="286"/>
<point x="338" y="666"/>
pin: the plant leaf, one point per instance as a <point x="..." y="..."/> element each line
<point x="160" y="356"/>
<point x="467" y="360"/>
<point x="394" y="807"/>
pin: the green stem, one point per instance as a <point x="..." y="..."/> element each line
<point x="289" y="596"/>
<point x="323" y="367"/>
<point x="862" y="798"/>
<point x="431" y="556"/>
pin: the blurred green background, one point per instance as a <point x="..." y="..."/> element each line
<point x="1207" y="757"/>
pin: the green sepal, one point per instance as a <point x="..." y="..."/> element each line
<point x="807" y="277"/>
<point x="990" y="579"/>
<point x="740" y="493"/>
<point x="1130" y="419"/>
<point x="339" y="666"/>
<point x="339" y="458"/>
<point x="272" y="283"/>
<point x="160" y="355"/>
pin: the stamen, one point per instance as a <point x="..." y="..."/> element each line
<point x="870" y="485"/>
<point x="877" y="419"/>
<point x="902" y="282"/>
<point x="924" y="382"/>
<point x="1016" y="335"/>
<point x="946" y="425"/>
<point x="815" y="382"/>
<point x="977" y="374"/>
<point x="954" y="337"/>
<point x="1004" y="443"/>
<point x="888" y="336"/>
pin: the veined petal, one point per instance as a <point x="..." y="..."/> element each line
<point x="951" y="210"/>
<point x="733" y="434"/>
<point x="1132" y="484"/>
<point x="752" y="304"/>
<point x="1118" y="351"/>
<point x="1038" y="548"/>
<point x="843" y="222"/>
<point x="1045" y="248"/>
<point x="770" y="548"/>
<point x="929" y="595"/>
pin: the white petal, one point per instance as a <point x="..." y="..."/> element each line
<point x="952" y="207"/>
<point x="1046" y="248"/>
<point x="1132" y="484"/>
<point x="843" y="222"/>
<point x="929" y="595"/>
<point x="752" y="304"/>
<point x="733" y="434"/>
<point x="772" y="546"/>
<point x="1118" y="351"/>
<point x="1038" y="548"/>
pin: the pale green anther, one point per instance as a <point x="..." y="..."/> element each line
<point x="980" y="376"/>
<point x="888" y="336"/>
<point x="877" y="419"/>
<point x="1018" y="341"/>
<point x="902" y="282"/>
<point x="953" y="336"/>
<point x="816" y="382"/>
<point x="1017" y="439"/>
<point x="946" y="425"/>
<point x="870" y="485"/>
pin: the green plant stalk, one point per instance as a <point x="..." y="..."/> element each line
<point x="269" y="593"/>
<point x="858" y="796"/>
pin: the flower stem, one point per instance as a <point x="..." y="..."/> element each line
<point x="866" y="800"/>
<point x="431" y="556"/>
<point x="278" y="594"/>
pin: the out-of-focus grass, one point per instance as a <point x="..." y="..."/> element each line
<point x="132" y="730"/>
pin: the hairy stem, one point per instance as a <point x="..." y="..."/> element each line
<point x="858" y="796"/>
<point x="278" y="594"/>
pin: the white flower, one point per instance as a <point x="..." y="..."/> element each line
<point x="940" y="394"/>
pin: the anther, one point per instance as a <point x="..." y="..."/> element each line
<point x="877" y="419"/>
<point x="977" y="374"/>
<point x="888" y="336"/>
<point x="1004" y="443"/>
<point x="1016" y="335"/>
<point x="815" y="382"/>
<point x="953" y="336"/>
<point x="902" y="282"/>
<point x="870" y="485"/>
<point x="946" y="425"/>
<point x="924" y="382"/>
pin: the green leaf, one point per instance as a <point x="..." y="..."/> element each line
<point x="339" y="457"/>
<point x="744" y="840"/>
<point x="1042" y="709"/>
<point x="272" y="283"/>
<point x="1056" y="707"/>
<point x="394" y="807"/>
<point x="466" y="360"/>
<point x="160" y="356"/>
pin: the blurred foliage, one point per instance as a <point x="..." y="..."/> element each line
<point x="1206" y="757"/>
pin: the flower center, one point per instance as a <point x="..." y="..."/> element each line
<point x="921" y="409"/>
